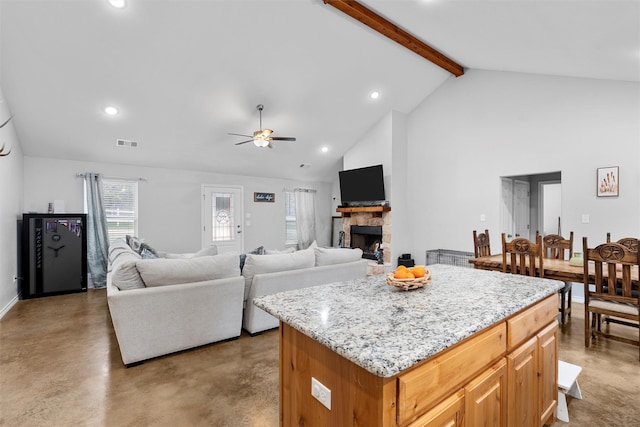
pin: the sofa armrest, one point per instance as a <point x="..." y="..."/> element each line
<point x="154" y="321"/>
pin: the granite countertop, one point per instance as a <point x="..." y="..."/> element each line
<point x="386" y="330"/>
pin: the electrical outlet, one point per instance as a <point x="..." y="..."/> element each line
<point x="585" y="218"/>
<point x="483" y="217"/>
<point x="320" y="392"/>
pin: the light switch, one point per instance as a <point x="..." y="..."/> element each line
<point x="483" y="217"/>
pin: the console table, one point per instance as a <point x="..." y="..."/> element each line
<point x="454" y="351"/>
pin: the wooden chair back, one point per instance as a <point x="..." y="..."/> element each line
<point x="614" y="293"/>
<point x="481" y="244"/>
<point x="630" y="243"/>
<point x="557" y="247"/>
<point x="522" y="256"/>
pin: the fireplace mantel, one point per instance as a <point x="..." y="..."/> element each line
<point x="348" y="211"/>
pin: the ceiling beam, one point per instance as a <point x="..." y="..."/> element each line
<point x="395" y="33"/>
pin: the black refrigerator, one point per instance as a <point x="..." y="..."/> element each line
<point x="54" y="254"/>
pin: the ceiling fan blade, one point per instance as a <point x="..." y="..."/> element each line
<point x="243" y="142"/>
<point x="282" y="138"/>
<point x="241" y="134"/>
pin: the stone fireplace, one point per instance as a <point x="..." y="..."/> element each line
<point x="366" y="237"/>
<point x="370" y="228"/>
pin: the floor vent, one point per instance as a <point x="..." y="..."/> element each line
<point x="126" y="143"/>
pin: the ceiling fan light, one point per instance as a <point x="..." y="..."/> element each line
<point x="261" y="143"/>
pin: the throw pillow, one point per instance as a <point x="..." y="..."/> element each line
<point x="161" y="272"/>
<point x="134" y="242"/>
<point x="147" y="254"/>
<point x="328" y="256"/>
<point x="126" y="276"/>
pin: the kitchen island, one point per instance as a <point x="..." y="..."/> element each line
<point x="472" y="347"/>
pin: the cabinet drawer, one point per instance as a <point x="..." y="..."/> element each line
<point x="421" y="388"/>
<point x="526" y="324"/>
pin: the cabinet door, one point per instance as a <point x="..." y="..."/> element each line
<point x="449" y="413"/>
<point x="548" y="369"/>
<point x="485" y="399"/>
<point x="522" y="373"/>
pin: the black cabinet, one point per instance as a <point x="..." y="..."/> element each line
<point x="54" y="254"/>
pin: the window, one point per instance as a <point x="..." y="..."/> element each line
<point x="120" y="198"/>
<point x="222" y="209"/>
<point x="290" y="218"/>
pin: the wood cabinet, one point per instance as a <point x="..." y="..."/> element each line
<point x="505" y="375"/>
<point x="449" y="413"/>
<point x="485" y="398"/>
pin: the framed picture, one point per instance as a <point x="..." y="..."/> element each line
<point x="264" y="197"/>
<point x="608" y="184"/>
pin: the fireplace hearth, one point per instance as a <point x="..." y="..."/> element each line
<point x="366" y="237"/>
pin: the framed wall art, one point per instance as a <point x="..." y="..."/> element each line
<point x="264" y="197"/>
<point x="608" y="182"/>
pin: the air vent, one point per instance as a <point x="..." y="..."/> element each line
<point x="126" y="143"/>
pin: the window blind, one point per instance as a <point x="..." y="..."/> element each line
<point x="120" y="199"/>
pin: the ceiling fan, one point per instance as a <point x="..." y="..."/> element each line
<point x="262" y="138"/>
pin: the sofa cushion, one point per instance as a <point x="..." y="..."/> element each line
<point x="207" y="251"/>
<point x="328" y="256"/>
<point x="256" y="264"/>
<point x="275" y="251"/>
<point x="126" y="276"/>
<point x="161" y="272"/>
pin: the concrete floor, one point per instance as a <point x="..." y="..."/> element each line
<point x="60" y="366"/>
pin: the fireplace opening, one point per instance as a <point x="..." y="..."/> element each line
<point x="366" y="237"/>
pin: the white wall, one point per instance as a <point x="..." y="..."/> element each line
<point x="169" y="206"/>
<point x="10" y="209"/>
<point x="484" y="125"/>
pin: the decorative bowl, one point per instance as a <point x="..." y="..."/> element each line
<point x="409" y="284"/>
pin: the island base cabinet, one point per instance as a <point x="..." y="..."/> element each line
<point x="483" y="381"/>
<point x="485" y="398"/>
<point x="449" y="413"/>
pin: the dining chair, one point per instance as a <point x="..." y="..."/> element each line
<point x="481" y="244"/>
<point x="630" y="243"/>
<point x="557" y="247"/>
<point x="525" y="257"/>
<point x="613" y="293"/>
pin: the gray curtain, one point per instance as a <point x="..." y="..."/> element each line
<point x="305" y="216"/>
<point x="97" y="234"/>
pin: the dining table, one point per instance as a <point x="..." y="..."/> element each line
<point x="558" y="269"/>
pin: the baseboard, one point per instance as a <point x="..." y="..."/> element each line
<point x="9" y="306"/>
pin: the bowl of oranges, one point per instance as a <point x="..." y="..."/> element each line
<point x="408" y="278"/>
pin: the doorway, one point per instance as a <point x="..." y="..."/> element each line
<point x="531" y="204"/>
<point x="222" y="213"/>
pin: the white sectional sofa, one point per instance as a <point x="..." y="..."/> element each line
<point x="270" y="274"/>
<point x="180" y="304"/>
<point x="164" y="305"/>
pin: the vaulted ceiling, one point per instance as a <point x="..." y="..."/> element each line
<point x="183" y="74"/>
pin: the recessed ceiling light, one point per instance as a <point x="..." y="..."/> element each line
<point x="112" y="111"/>
<point x="375" y="94"/>
<point x="324" y="149"/>
<point x="118" y="3"/>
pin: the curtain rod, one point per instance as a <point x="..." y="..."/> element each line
<point x="81" y="175"/>
<point x="302" y="190"/>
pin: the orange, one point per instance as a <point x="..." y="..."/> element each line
<point x="410" y="275"/>
<point x="401" y="267"/>
<point x="401" y="273"/>
<point x="418" y="271"/>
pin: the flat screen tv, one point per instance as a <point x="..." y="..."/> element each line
<point x="362" y="186"/>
